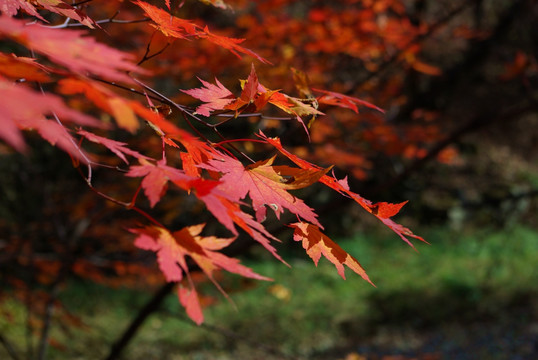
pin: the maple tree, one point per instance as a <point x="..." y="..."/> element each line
<point x="116" y="111"/>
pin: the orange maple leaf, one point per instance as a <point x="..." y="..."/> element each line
<point x="316" y="244"/>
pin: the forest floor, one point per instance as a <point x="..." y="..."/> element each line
<point x="468" y="295"/>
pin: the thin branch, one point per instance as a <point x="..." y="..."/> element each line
<point x="123" y="87"/>
<point x="127" y="205"/>
<point x="103" y="21"/>
<point x="260" y="115"/>
<point x="146" y="56"/>
<point x="151" y="306"/>
<point x="239" y="140"/>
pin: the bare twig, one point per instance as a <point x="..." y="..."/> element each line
<point x="110" y="20"/>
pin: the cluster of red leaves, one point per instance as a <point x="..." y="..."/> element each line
<point x="237" y="195"/>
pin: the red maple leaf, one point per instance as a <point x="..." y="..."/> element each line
<point x="231" y="44"/>
<point x="116" y="147"/>
<point x="62" y="8"/>
<point x="156" y="177"/>
<point x="175" y="27"/>
<point x="167" y="24"/>
<point x="316" y="244"/>
<point x="249" y="92"/>
<point x="341" y="100"/>
<point x="23" y="108"/>
<point x="172" y="250"/>
<point x="264" y="185"/>
<point x="71" y="49"/>
<point x="381" y="210"/>
<point x="216" y="97"/>
<point x="11" y="7"/>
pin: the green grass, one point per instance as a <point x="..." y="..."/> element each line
<point x="309" y="309"/>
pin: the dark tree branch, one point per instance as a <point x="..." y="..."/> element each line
<point x="151" y="306"/>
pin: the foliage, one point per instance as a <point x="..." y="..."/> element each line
<point x="164" y="157"/>
<point x="219" y="174"/>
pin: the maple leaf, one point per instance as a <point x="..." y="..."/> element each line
<point x="62" y="8"/>
<point x="23" y="108"/>
<point x="250" y="86"/>
<point x="316" y="244"/>
<point x="116" y="147"/>
<point x="294" y="106"/>
<point x="190" y="301"/>
<point x="72" y="49"/>
<point x="172" y="250"/>
<point x="166" y="23"/>
<point x="228" y="213"/>
<point x="249" y="93"/>
<point x="302" y="83"/>
<point x="382" y="210"/>
<point x="198" y="151"/>
<point x="156" y="177"/>
<point x="263" y="185"/>
<point x="231" y="44"/>
<point x="216" y="97"/>
<point x="105" y="99"/>
<point x="344" y="101"/>
<point x="11" y="7"/>
<point x="17" y="67"/>
<point x="175" y="27"/>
